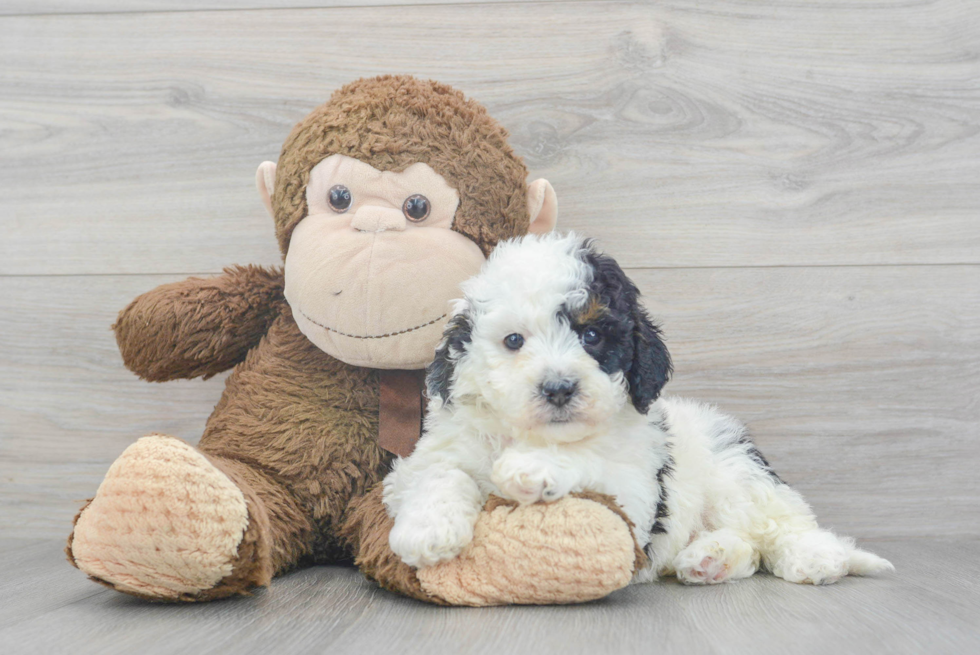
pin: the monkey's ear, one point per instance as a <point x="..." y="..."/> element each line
<point x="265" y="182"/>
<point x="542" y="207"/>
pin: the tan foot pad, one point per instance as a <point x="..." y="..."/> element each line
<point x="165" y="522"/>
<point x="571" y="551"/>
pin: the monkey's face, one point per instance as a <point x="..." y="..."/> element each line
<point x="372" y="268"/>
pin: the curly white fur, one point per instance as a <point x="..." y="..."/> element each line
<point x="723" y="513"/>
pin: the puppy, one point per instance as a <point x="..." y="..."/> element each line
<point x="548" y="382"/>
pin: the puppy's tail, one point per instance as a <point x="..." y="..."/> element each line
<point x="861" y="562"/>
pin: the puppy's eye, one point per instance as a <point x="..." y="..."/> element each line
<point x="339" y="198"/>
<point x="514" y="341"/>
<point x="591" y="336"/>
<point x="417" y="208"/>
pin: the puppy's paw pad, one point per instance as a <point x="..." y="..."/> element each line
<point x="710" y="570"/>
<point x="528" y="487"/>
<point x="552" y="492"/>
<point x="715" y="560"/>
<point x="528" y="481"/>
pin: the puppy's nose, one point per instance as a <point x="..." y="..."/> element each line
<point x="560" y="392"/>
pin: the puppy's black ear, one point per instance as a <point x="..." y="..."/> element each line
<point x="651" y="362"/>
<point x="439" y="374"/>
<point x="650" y="367"/>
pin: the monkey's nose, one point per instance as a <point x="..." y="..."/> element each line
<point x="560" y="392"/>
<point x="370" y="218"/>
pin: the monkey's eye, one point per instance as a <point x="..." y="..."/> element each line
<point x="417" y="208"/>
<point x="513" y="341"/>
<point x="591" y="336"/>
<point x="339" y="198"/>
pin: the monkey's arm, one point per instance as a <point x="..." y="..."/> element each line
<point x="199" y="327"/>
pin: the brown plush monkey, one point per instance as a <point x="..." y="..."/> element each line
<point x="384" y="199"/>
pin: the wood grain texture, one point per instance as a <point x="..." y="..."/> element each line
<point x="67" y="404"/>
<point x="46" y="7"/>
<point x="681" y="133"/>
<point x="930" y="605"/>
<point x="859" y="384"/>
<point x="794" y="185"/>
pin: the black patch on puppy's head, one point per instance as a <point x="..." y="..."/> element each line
<point x="629" y="341"/>
<point x="439" y="374"/>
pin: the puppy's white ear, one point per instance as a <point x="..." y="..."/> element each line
<point x="459" y="306"/>
<point x="265" y="182"/>
<point x="542" y="207"/>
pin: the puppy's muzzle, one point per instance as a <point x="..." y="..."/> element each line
<point x="559" y="393"/>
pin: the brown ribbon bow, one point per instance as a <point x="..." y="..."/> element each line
<point x="400" y="414"/>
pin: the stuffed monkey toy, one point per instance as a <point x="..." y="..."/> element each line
<point x="384" y="199"/>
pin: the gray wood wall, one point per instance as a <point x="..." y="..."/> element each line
<point x="794" y="185"/>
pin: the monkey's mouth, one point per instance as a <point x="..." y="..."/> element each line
<point x="372" y="336"/>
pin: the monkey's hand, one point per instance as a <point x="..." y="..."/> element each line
<point x="199" y="327"/>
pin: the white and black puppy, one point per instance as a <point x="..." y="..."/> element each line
<point x="548" y="382"/>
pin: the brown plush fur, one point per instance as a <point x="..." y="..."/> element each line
<point x="392" y="122"/>
<point x="71" y="537"/>
<point x="367" y="526"/>
<point x="306" y="425"/>
<point x="198" y="327"/>
<point x="296" y="430"/>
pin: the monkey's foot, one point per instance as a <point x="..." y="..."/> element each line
<point x="165" y="524"/>
<point x="577" y="549"/>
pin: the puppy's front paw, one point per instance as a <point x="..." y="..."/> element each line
<point x="528" y="478"/>
<point x="425" y="538"/>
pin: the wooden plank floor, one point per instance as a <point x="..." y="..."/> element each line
<point x="794" y="185"/>
<point x="931" y="605"/>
